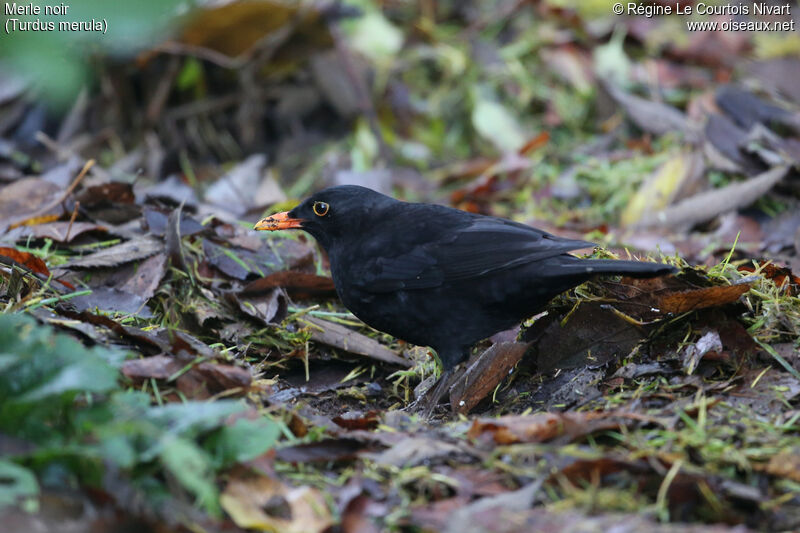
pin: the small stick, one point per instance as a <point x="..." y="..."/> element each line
<point x="72" y="220"/>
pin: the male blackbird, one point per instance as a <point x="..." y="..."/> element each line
<point x="437" y="276"/>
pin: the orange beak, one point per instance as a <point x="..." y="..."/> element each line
<point x="278" y="221"/>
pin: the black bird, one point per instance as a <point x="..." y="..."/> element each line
<point x="437" y="276"/>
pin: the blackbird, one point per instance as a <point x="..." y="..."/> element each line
<point x="437" y="276"/>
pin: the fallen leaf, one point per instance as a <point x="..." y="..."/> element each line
<point x="692" y="300"/>
<point x="298" y="284"/>
<point x="238" y="263"/>
<point x="340" y="449"/>
<point x="26" y="259"/>
<point x="269" y="308"/>
<point x="366" y="421"/>
<point x="663" y="186"/>
<point x="249" y="502"/>
<point x="482" y="377"/>
<point x="200" y="381"/>
<point x="782" y="276"/>
<point x="111" y="299"/>
<point x="414" y="451"/>
<point x="24" y="198"/>
<point x="339" y="336"/>
<point x="543" y="427"/>
<point x="592" y="334"/>
<point x="156" y="221"/>
<point x="132" y="250"/>
<point x="693" y="353"/>
<point x="785" y="464"/>
<point x="145" y="279"/>
<point x="64" y="231"/>
<point x="652" y="117"/>
<point x="707" y="205"/>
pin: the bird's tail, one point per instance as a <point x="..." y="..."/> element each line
<point x="636" y="269"/>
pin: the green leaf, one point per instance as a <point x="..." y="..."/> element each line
<point x="496" y="124"/>
<point x="17" y="484"/>
<point x="244" y="440"/>
<point x="191" y="466"/>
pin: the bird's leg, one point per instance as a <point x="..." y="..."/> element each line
<point x="428" y="402"/>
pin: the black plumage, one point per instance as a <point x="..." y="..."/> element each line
<point x="437" y="276"/>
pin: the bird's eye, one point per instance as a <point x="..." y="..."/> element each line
<point x="321" y="209"/>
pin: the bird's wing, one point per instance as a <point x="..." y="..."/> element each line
<point x="477" y="247"/>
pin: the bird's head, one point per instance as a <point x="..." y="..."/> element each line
<point x="332" y="213"/>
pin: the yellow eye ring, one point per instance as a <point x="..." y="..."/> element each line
<point x="320" y="208"/>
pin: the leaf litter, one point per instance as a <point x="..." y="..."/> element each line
<point x="249" y="398"/>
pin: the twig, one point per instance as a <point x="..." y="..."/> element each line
<point x="72" y="220"/>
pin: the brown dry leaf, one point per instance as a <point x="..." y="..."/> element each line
<point x="482" y="376"/>
<point x="765" y="392"/>
<point x="156" y="221"/>
<point x="691" y="300"/>
<point x="200" y="381"/>
<point x="651" y="299"/>
<point x="709" y="343"/>
<point x="542" y="427"/>
<point x="269" y="308"/>
<point x="23" y="199"/>
<point x="357" y="515"/>
<point x="652" y="117"/>
<point x="339" y="336"/>
<point x="707" y="205"/>
<point x="64" y="231"/>
<point x="112" y="299"/>
<point x="299" y="285"/>
<point x="113" y="202"/>
<point x="234" y="28"/>
<point x="340" y="449"/>
<point x="144" y="281"/>
<point x="274" y="255"/>
<point x="663" y="186"/>
<point x="26" y="259"/>
<point x="592" y="334"/>
<point x="368" y="421"/>
<point x="785" y="464"/>
<point x="132" y="250"/>
<point x="248" y="502"/>
<point x="782" y="276"/>
<point x="414" y="451"/>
